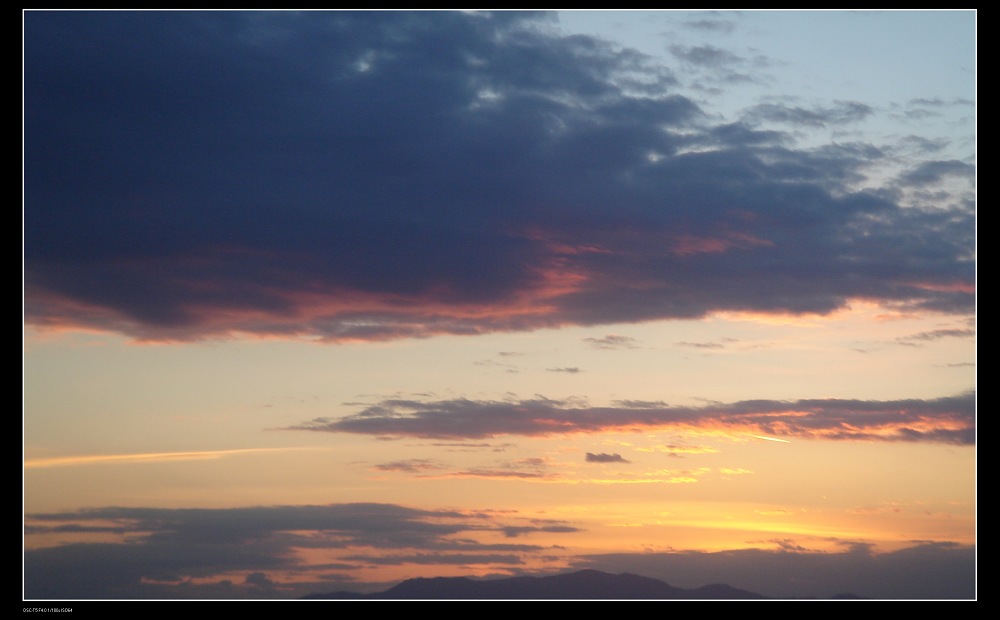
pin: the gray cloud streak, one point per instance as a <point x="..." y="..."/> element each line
<point x="942" y="420"/>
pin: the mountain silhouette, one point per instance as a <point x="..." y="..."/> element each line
<point x="581" y="585"/>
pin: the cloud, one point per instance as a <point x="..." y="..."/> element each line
<point x="612" y="341"/>
<point x="530" y="468"/>
<point x="605" y="458"/>
<point x="717" y="65"/>
<point x="842" y="112"/>
<point x="163" y="549"/>
<point x="705" y="55"/>
<point x="520" y="530"/>
<point x="508" y="368"/>
<point x="497" y="474"/>
<point x="934" y="171"/>
<point x="929" y="145"/>
<point x="949" y="420"/>
<point x="700" y="345"/>
<point x="938" y="102"/>
<point x="349" y="176"/>
<point x="258" y="579"/>
<point x="713" y="23"/>
<point x="567" y="369"/>
<point x="937" y="334"/>
<point x="410" y="466"/>
<point x="473" y="447"/>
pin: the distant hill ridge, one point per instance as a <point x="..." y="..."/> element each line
<point x="584" y="584"/>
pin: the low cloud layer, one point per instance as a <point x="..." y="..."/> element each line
<point x="943" y="420"/>
<point x="256" y="552"/>
<point x="375" y="175"/>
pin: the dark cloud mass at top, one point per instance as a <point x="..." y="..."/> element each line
<point x="373" y="175"/>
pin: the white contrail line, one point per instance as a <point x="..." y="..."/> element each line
<point x="149" y="457"/>
<point x="768" y="438"/>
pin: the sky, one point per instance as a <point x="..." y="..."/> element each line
<point x="319" y="301"/>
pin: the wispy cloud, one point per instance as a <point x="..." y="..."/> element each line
<point x="841" y="113"/>
<point x="410" y="466"/>
<point x="612" y="341"/>
<point x="936" y="334"/>
<point x="700" y="345"/>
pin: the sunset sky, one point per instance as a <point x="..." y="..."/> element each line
<point x="320" y="301"/>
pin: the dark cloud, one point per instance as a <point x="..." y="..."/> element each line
<point x="170" y="547"/>
<point x="924" y="571"/>
<point x="744" y="135"/>
<point x="944" y="420"/>
<point x="374" y="175"/>
<point x="568" y="369"/>
<point x="258" y="579"/>
<point x="362" y="523"/>
<point x="934" y="171"/>
<point x="604" y="457"/>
